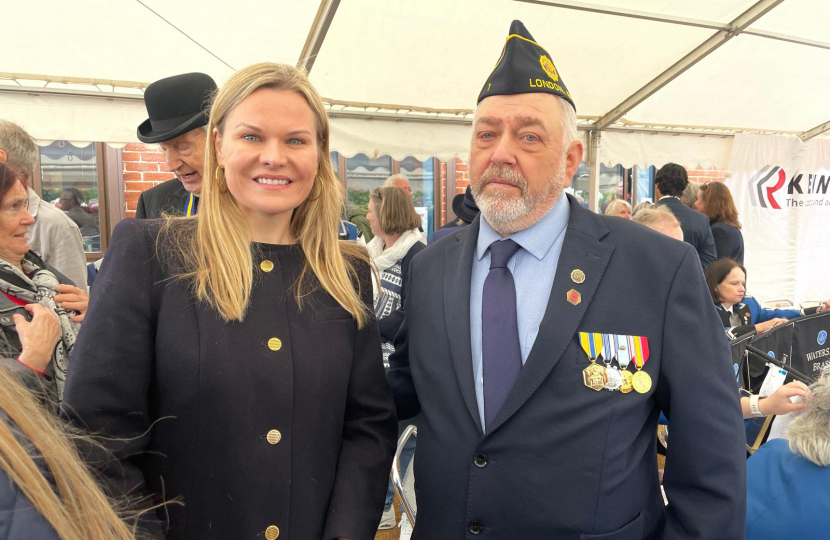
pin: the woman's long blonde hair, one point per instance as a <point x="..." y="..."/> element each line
<point x="217" y="255"/>
<point x="74" y="506"/>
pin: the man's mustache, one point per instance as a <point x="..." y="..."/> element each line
<point x="502" y="175"/>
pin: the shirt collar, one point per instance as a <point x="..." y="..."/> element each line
<point x="668" y="197"/>
<point x="34" y="201"/>
<point x="536" y="239"/>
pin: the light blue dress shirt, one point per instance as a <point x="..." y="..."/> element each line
<point x="533" y="268"/>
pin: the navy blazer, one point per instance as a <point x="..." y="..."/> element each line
<point x="751" y="313"/>
<point x="696" y="229"/>
<point x="562" y="460"/>
<point x="729" y="242"/>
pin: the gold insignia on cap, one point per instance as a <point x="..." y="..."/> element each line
<point x="574" y="297"/>
<point x="578" y="276"/>
<point x="549" y="68"/>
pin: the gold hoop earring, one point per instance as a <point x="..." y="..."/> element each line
<point x="320" y="190"/>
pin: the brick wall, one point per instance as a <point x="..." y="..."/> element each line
<point x="706" y="175"/>
<point x="143" y="169"/>
<point x="462" y="180"/>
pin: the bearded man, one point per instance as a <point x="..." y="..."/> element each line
<point x="542" y="342"/>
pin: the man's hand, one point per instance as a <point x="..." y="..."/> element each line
<point x="72" y="297"/>
<point x="38" y="337"/>
<point x="778" y="403"/>
<point x="772" y="323"/>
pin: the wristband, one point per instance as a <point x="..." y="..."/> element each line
<point x="39" y="372"/>
<point x="754" y="409"/>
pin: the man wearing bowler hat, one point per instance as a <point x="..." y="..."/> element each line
<point x="178" y="110"/>
<point x="542" y="341"/>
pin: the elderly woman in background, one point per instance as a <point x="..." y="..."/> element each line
<point x="619" y="208"/>
<point x="787" y="479"/>
<point x="689" y="196"/>
<point x="231" y="359"/>
<point x="715" y="200"/>
<point x="38" y="302"/>
<point x="397" y="239"/>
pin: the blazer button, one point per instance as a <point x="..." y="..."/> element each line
<point x="272" y="532"/>
<point x="266" y="265"/>
<point x="480" y="460"/>
<point x="274" y="344"/>
<point x="475" y="527"/>
<point x="273" y="437"/>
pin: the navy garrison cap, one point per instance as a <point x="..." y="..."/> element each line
<point x="523" y="68"/>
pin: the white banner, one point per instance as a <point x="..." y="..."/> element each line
<point x="781" y="187"/>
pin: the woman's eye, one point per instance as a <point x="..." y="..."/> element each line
<point x="296" y="141"/>
<point x="250" y="137"/>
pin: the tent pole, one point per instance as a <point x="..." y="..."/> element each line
<point x="818" y="130"/>
<point x="317" y="33"/>
<point x="594" y="167"/>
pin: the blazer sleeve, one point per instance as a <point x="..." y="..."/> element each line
<point x="140" y="209"/>
<point x="111" y="367"/>
<point x="391" y="324"/>
<point x="723" y="245"/>
<point x="705" y="475"/>
<point x="708" y="252"/>
<point x="370" y="431"/>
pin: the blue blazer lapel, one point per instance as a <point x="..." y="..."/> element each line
<point x="582" y="250"/>
<point x="458" y="269"/>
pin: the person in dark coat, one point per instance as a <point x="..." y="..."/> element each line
<point x="231" y="360"/>
<point x="669" y="183"/>
<point x="465" y="209"/>
<point x="529" y="426"/>
<point x="178" y="110"/>
<point x="715" y="201"/>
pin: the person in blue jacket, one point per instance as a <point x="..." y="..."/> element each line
<point x="743" y="314"/>
<point x="788" y="479"/>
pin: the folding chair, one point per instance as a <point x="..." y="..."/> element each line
<point x="405" y="487"/>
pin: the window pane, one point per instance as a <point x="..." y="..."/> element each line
<point x="421" y="177"/>
<point x="70" y="182"/>
<point x="363" y="174"/>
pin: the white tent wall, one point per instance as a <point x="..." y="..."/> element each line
<point x="433" y="54"/>
<point x="787" y="249"/>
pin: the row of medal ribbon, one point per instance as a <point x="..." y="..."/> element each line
<point x="624" y="350"/>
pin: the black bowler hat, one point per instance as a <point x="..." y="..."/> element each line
<point x="524" y="67"/>
<point x="176" y="105"/>
<point x="465" y="206"/>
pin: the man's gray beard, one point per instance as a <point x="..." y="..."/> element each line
<point x="508" y="214"/>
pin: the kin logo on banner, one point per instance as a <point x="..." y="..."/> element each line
<point x="766" y="183"/>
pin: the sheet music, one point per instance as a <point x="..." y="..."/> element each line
<point x="773" y="381"/>
<point x="781" y="425"/>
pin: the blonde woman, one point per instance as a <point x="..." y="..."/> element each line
<point x="234" y="355"/>
<point x="618" y="207"/>
<point x="46" y="492"/>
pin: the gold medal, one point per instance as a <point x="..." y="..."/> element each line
<point x="641" y="381"/>
<point x="595" y="376"/>
<point x="626" y="382"/>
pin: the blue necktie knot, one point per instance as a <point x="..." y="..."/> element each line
<point x="501" y="251"/>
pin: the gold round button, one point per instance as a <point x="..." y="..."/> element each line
<point x="274" y="344"/>
<point x="272" y="532"/>
<point x="274" y="437"/>
<point x="266" y="265"/>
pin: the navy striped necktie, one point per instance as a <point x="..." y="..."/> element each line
<point x="501" y="350"/>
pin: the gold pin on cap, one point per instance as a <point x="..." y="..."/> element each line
<point x="574" y="297"/>
<point x="578" y="276"/>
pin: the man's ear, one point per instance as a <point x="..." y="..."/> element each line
<point x="573" y="158"/>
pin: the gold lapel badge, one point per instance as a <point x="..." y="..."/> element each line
<point x="578" y="276"/>
<point x="574" y="297"/>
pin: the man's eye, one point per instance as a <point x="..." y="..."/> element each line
<point x="530" y="138"/>
<point x="486" y="136"/>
